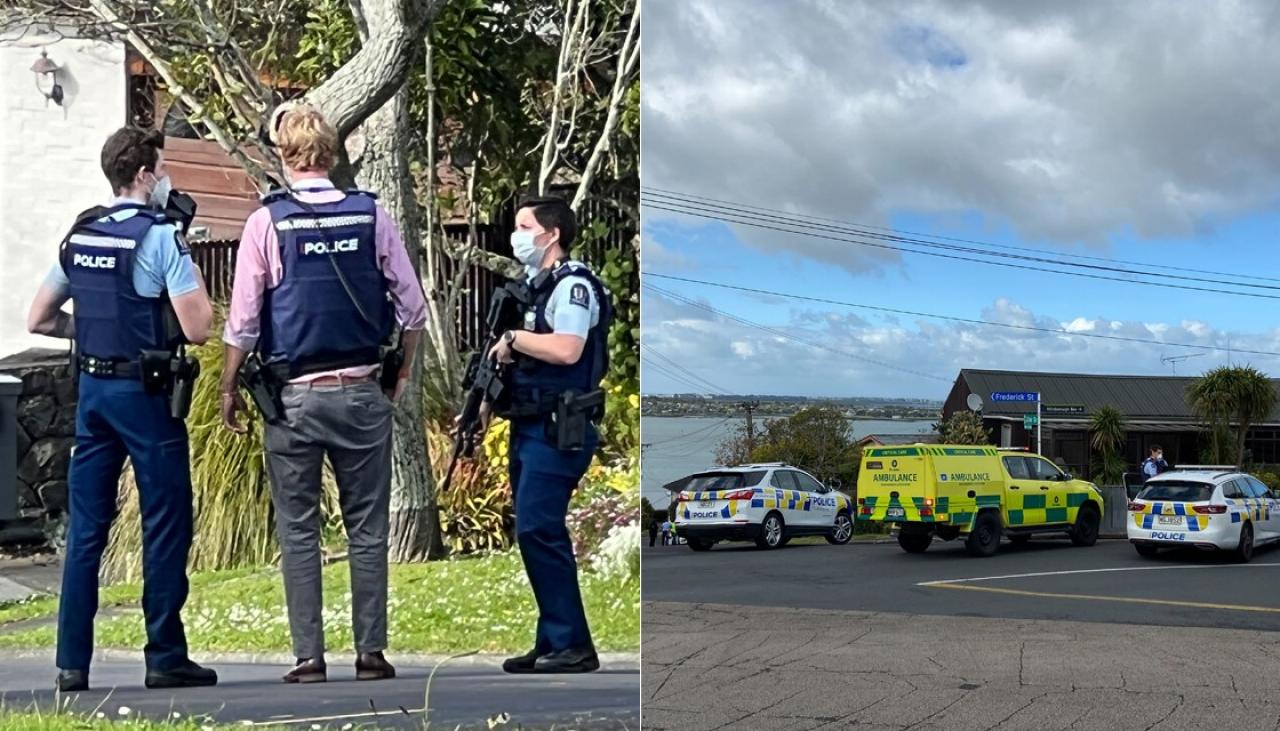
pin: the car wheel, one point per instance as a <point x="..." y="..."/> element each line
<point x="1146" y="550"/>
<point x="772" y="532"/>
<point x="984" y="539"/>
<point x="1020" y="539"/>
<point x="842" y="531"/>
<point x="915" y="542"/>
<point x="700" y="544"/>
<point x="1244" y="550"/>
<point x="1085" y="531"/>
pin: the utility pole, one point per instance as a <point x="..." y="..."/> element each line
<point x="750" y="406"/>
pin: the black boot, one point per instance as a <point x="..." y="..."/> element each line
<point x="521" y="663"/>
<point x="73" y="681"/>
<point x="187" y="675"/>
<point x="580" y="660"/>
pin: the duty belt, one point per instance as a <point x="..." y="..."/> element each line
<point x="109" y="368"/>
<point x="527" y="402"/>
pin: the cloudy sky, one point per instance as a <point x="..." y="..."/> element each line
<point x="1144" y="136"/>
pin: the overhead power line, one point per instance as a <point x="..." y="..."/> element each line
<point x="789" y="336"/>
<point x="914" y="236"/>
<point x="951" y="318"/>
<point x="775" y="223"/>
<point x="673" y="364"/>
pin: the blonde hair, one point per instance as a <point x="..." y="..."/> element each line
<point x="306" y="139"/>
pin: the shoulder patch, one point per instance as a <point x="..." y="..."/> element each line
<point x="183" y="247"/>
<point x="578" y="295"/>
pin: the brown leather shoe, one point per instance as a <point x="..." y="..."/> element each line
<point x="311" y="670"/>
<point x="373" y="666"/>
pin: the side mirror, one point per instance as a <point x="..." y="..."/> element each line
<point x="1068" y="477"/>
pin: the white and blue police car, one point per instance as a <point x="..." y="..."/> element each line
<point x="768" y="503"/>
<point x="1204" y="508"/>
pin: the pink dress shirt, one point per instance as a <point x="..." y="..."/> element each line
<point x="258" y="267"/>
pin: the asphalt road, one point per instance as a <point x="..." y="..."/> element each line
<point x="461" y="695"/>
<point x="1107" y="582"/>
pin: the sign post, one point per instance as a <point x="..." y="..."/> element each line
<point x="1024" y="397"/>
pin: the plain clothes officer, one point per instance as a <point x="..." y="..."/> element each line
<point x="561" y="353"/>
<point x="129" y="276"/>
<point x="321" y="277"/>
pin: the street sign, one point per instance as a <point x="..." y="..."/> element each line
<point x="1029" y="420"/>
<point x="1063" y="410"/>
<point x="1019" y="396"/>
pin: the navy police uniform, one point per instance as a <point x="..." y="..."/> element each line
<point x="104" y="257"/>
<point x="315" y="320"/>
<point x="565" y="298"/>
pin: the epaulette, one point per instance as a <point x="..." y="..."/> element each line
<point x="359" y="191"/>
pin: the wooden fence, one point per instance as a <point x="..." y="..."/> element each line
<point x="217" y="259"/>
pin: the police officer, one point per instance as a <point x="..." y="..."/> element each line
<point x="129" y="273"/>
<point x="559" y="355"/>
<point x="322" y="276"/>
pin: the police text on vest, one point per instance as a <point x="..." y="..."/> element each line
<point x="94" y="262"/>
<point x="330" y="247"/>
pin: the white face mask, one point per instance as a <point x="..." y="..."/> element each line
<point x="159" y="197"/>
<point x="526" y="251"/>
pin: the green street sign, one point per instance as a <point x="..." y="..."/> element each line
<point x="1029" y="420"/>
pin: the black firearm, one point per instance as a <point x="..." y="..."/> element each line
<point x="263" y="386"/>
<point x="392" y="362"/>
<point x="484" y="378"/>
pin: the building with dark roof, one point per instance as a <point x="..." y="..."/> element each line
<point x="1155" y="410"/>
<point x="895" y="440"/>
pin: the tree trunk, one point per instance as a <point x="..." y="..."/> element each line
<point x="415" y="515"/>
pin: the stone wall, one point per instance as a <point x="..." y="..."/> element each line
<point x="46" y="433"/>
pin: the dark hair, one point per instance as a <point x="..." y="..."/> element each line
<point x="554" y="212"/>
<point x="1156" y="448"/>
<point x="128" y="149"/>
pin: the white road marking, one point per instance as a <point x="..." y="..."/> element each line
<point x="1096" y="571"/>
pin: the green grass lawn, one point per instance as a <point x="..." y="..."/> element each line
<point x="439" y="607"/>
<point x="105" y="720"/>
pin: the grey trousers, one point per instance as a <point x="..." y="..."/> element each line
<point x="351" y="424"/>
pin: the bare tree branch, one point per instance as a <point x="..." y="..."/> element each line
<point x="628" y="69"/>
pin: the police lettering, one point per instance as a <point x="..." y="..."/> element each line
<point x="1160" y="536"/>
<point x="821" y="502"/>
<point x="94" y="262"/>
<point x="327" y="247"/>
<point x="705" y="514"/>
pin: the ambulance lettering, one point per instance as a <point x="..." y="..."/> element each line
<point x="896" y="478"/>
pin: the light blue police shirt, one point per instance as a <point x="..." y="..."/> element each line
<point x="159" y="265"/>
<point x="572" y="308"/>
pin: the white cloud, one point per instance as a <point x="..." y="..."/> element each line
<point x="1070" y="121"/>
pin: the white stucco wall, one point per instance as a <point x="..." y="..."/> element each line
<point x="49" y="163"/>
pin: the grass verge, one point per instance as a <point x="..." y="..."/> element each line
<point x="479" y="603"/>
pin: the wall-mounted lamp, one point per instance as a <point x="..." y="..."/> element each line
<point x="46" y="72"/>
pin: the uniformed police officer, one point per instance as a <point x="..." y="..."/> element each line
<point x="559" y="355"/>
<point x="322" y="276"/>
<point x="123" y="266"/>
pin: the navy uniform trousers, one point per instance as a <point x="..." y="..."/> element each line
<point x="544" y="478"/>
<point x="115" y="419"/>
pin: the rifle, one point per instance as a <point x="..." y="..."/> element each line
<point x="484" y="380"/>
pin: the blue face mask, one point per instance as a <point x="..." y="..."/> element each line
<point x="527" y="251"/>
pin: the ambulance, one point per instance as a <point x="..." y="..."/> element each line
<point x="977" y="493"/>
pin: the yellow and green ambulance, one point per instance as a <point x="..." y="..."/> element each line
<point x="978" y="492"/>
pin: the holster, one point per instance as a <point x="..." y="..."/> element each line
<point x="392" y="362"/>
<point x="185" y="370"/>
<point x="157" y="371"/>
<point x="264" y="387"/>
<point x="568" y="423"/>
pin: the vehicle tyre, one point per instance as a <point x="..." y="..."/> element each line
<point x="700" y="544"/>
<point x="1085" y="531"/>
<point x="1146" y="550"/>
<point x="915" y="542"/>
<point x="1244" y="550"/>
<point x="1020" y="539"/>
<point x="772" y="532"/>
<point x="842" y="532"/>
<point x="984" y="539"/>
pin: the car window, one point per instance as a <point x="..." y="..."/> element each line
<point x="784" y="480"/>
<point x="807" y="483"/>
<point x="1232" y="490"/>
<point x="1177" y="491"/>
<point x="1043" y="469"/>
<point x="752" y="478"/>
<point x="1017" y="467"/>
<point x="715" y="481"/>
<point x="1257" y="487"/>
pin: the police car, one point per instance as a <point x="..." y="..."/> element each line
<point x="769" y="503"/>
<point x="1207" y="509"/>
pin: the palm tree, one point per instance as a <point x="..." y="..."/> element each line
<point x="1108" y="429"/>
<point x="1242" y="394"/>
